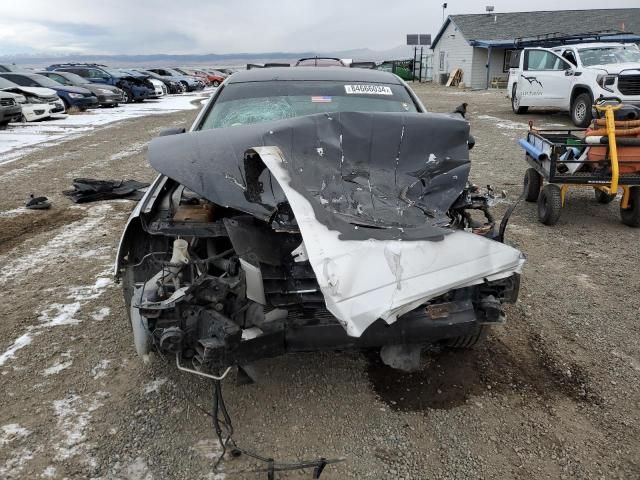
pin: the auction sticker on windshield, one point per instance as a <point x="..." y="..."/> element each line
<point x="367" y="90"/>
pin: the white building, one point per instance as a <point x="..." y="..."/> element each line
<point x="466" y="41"/>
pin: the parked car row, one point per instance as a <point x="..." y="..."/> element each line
<point x="35" y="95"/>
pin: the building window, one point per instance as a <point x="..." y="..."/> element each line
<point x="442" y="56"/>
<point x="507" y="59"/>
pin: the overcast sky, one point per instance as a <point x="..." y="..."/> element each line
<point x="234" y="26"/>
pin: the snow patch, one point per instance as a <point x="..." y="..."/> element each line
<point x="15" y="212"/>
<point x="57" y="368"/>
<point x="21" y="139"/>
<point x="99" y="370"/>
<point x="61" y="245"/>
<point x="18" y="343"/>
<point x="504" y="124"/>
<point x="154" y="386"/>
<point x="101" y="314"/>
<point x="11" y="432"/>
<point x="127" y="152"/>
<point x="73" y="415"/>
<point x="57" y="314"/>
<point x="49" y="472"/>
<point x="138" y="470"/>
<point x="15" y="464"/>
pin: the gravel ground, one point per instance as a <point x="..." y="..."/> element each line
<point x="553" y="393"/>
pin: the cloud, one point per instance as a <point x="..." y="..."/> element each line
<point x="232" y="26"/>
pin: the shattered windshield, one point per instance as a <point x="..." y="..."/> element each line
<point x="256" y="102"/>
<point x="609" y="55"/>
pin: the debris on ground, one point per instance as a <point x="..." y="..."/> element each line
<point x="92" y="190"/>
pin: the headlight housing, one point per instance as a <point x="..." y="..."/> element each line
<point x="76" y="95"/>
<point x="606" y="81"/>
<point x="36" y="100"/>
<point x="21" y="99"/>
<point x="104" y="90"/>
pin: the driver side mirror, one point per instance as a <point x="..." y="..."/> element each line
<point x="172" y="131"/>
<point x="569" y="72"/>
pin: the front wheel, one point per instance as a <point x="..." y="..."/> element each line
<point x="215" y="83"/>
<point x="581" y="110"/>
<point x="127" y="96"/>
<point x="631" y="215"/>
<point x="549" y="204"/>
<point x="515" y="102"/>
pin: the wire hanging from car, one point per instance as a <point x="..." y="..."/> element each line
<point x="224" y="428"/>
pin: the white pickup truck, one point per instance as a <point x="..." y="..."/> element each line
<point x="571" y="77"/>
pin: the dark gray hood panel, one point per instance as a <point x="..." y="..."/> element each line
<point x="398" y="170"/>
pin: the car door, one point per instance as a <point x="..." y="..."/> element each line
<point x="546" y="79"/>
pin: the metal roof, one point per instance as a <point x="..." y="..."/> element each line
<point x="491" y="28"/>
<point x="339" y="74"/>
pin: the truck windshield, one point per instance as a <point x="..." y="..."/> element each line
<point x="609" y="55"/>
<point x="255" y="102"/>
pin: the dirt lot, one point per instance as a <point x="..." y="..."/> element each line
<point x="553" y="394"/>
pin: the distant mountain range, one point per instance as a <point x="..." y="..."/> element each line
<point x="225" y="59"/>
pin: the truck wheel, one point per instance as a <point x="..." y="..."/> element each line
<point x="532" y="185"/>
<point x="631" y="216"/>
<point x="515" y="102"/>
<point x="603" y="197"/>
<point x="581" y="110"/>
<point x="215" y="83"/>
<point x="467" y="341"/>
<point x="549" y="204"/>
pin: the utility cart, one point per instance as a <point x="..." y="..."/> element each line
<point x="605" y="157"/>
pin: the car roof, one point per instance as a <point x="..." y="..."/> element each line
<point x="339" y="74"/>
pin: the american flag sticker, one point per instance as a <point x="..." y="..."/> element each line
<point x="321" y="99"/>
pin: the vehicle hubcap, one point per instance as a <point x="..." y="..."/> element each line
<point x="581" y="111"/>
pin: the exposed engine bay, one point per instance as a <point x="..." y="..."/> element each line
<point x="324" y="232"/>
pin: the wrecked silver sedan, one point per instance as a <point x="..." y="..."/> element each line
<point x="313" y="209"/>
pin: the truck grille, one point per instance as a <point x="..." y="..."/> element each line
<point x="7" y="102"/>
<point x="629" y="84"/>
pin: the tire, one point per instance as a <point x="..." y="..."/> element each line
<point x="185" y="86"/>
<point x="465" y="342"/>
<point x="66" y="103"/>
<point x="631" y="216"/>
<point x="23" y="119"/>
<point x="602" y="197"/>
<point x="515" y="102"/>
<point x="127" y="96"/>
<point x="215" y="83"/>
<point x="549" y="204"/>
<point x="581" y="110"/>
<point x="532" y="185"/>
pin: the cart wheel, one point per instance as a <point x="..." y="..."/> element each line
<point x="532" y="185"/>
<point x="604" y="197"/>
<point x="549" y="204"/>
<point x="631" y="216"/>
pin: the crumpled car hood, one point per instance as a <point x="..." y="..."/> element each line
<point x="369" y="192"/>
<point x="398" y="170"/>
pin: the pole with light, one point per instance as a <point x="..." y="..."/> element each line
<point x="444" y="7"/>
